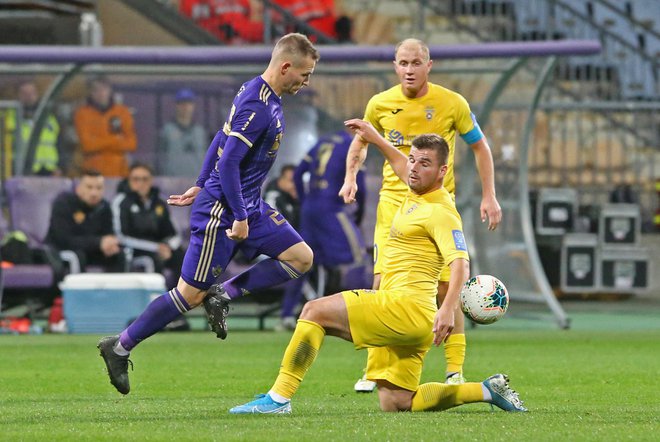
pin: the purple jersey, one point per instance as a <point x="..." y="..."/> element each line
<point x="243" y="152"/>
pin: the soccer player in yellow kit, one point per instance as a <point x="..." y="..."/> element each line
<point x="399" y="322"/>
<point x="413" y="107"/>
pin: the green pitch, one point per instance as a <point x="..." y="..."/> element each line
<point x="598" y="384"/>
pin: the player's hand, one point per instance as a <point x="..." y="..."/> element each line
<point x="443" y="324"/>
<point x="239" y="230"/>
<point x="364" y="129"/>
<point x="491" y="209"/>
<point x="185" y="199"/>
<point x="348" y="191"/>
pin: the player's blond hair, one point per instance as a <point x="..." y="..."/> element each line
<point x="433" y="142"/>
<point x="295" y="45"/>
<point x="414" y="41"/>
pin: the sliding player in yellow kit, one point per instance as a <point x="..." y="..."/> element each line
<point x="399" y="322"/>
<point x="399" y="114"/>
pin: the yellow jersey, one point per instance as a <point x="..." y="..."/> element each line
<point x="426" y="234"/>
<point x="400" y="119"/>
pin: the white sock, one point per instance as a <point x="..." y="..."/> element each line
<point x="487" y="396"/>
<point x="121" y="351"/>
<point x="278" y="397"/>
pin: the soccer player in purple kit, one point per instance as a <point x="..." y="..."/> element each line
<point x="228" y="212"/>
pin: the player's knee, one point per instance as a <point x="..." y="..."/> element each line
<point x="311" y="312"/>
<point x="393" y="403"/>
<point x="304" y="259"/>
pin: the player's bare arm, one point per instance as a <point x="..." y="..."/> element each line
<point x="443" y="323"/>
<point x="357" y="153"/>
<point x="490" y="209"/>
<point x="184" y="199"/>
<point x="368" y="133"/>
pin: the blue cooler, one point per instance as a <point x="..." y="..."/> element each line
<point x="107" y="302"/>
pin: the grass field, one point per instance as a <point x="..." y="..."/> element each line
<point x="599" y="383"/>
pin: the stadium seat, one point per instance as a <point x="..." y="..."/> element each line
<point x="30" y="200"/>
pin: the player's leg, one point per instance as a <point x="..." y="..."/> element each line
<point x="196" y="277"/>
<point x="161" y="311"/>
<point x="384" y="215"/>
<point x="495" y="390"/>
<point x="290" y="257"/>
<point x="456" y="344"/>
<point x="319" y="317"/>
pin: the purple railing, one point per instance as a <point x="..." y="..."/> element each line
<point x="259" y="54"/>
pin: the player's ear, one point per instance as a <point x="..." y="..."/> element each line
<point x="284" y="67"/>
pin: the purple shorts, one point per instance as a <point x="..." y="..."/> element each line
<point x="210" y="250"/>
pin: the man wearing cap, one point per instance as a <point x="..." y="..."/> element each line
<point x="182" y="142"/>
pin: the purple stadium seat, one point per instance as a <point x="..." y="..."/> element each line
<point x="30" y="200"/>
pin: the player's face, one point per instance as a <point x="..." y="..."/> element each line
<point x="412" y="67"/>
<point x="424" y="171"/>
<point x="297" y="75"/>
<point x="90" y="190"/>
<point x="139" y="180"/>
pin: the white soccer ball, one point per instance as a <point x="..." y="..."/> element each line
<point x="484" y="299"/>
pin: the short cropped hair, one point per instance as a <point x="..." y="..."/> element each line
<point x="139" y="165"/>
<point x="296" y="45"/>
<point x="90" y="173"/>
<point x="433" y="142"/>
<point x="423" y="46"/>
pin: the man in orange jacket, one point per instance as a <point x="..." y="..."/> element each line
<point x="105" y="130"/>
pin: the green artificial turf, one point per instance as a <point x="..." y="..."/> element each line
<point x="578" y="385"/>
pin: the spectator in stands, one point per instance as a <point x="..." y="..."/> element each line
<point x="321" y="15"/>
<point x="183" y="142"/>
<point x="142" y="221"/>
<point x="46" y="154"/>
<point x="281" y="195"/>
<point x="105" y="129"/>
<point x="81" y="221"/>
<point x="229" y="20"/>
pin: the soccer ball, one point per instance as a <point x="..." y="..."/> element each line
<point x="484" y="299"/>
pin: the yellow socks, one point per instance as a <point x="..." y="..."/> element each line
<point x="435" y="396"/>
<point x="298" y="357"/>
<point x="455" y="353"/>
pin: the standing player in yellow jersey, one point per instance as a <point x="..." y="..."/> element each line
<point x="399" y="322"/>
<point x="413" y="107"/>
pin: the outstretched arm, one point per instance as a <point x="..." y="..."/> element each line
<point x="368" y="134"/>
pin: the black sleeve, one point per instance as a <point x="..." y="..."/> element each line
<point x="62" y="232"/>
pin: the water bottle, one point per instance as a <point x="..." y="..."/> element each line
<point x="91" y="33"/>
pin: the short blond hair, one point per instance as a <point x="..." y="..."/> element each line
<point x="414" y="41"/>
<point x="295" y="45"/>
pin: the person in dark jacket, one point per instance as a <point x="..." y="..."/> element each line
<point x="81" y="221"/>
<point x="142" y="222"/>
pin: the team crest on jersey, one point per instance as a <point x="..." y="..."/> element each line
<point x="79" y="217"/>
<point x="411" y="209"/>
<point x="395" y="137"/>
<point x="276" y="145"/>
<point x="459" y="240"/>
<point x="159" y="209"/>
<point x="216" y="271"/>
<point x="429" y="111"/>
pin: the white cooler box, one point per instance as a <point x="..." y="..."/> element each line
<point x="107" y="302"/>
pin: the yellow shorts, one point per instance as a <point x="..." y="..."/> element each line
<point x="384" y="215"/>
<point x="396" y="328"/>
